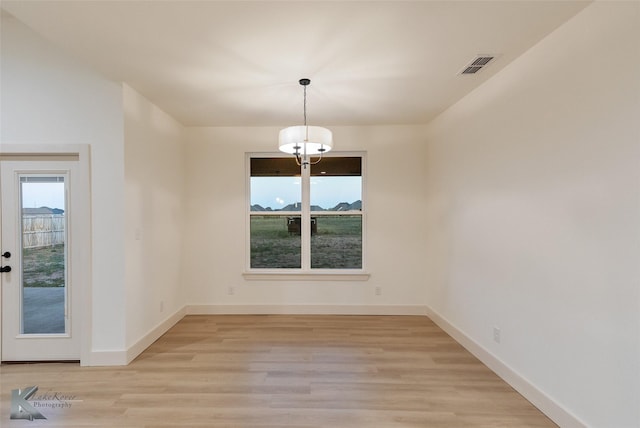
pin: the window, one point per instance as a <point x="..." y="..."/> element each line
<point x="305" y="220"/>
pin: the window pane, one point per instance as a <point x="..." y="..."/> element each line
<point x="336" y="184"/>
<point x="275" y="242"/>
<point x="275" y="194"/>
<point x="275" y="184"/>
<point x="336" y="242"/>
<point x="336" y="193"/>
<point x="43" y="255"/>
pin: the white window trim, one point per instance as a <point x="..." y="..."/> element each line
<point x="283" y="275"/>
<point x="305" y="272"/>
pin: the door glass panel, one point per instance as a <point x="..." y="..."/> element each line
<point x="44" y="248"/>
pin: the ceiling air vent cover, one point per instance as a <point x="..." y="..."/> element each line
<point x="477" y="64"/>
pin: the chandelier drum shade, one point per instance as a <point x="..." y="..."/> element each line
<point x="316" y="139"/>
<point x="305" y="141"/>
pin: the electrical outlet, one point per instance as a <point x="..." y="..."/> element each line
<point x="231" y="291"/>
<point x="161" y="305"/>
<point x="496" y="334"/>
<point x="378" y="291"/>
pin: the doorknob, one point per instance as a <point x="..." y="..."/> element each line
<point x="6" y="254"/>
<point x="5" y="268"/>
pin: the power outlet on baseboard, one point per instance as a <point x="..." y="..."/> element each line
<point x="231" y="291"/>
<point x="496" y="334"/>
<point x="161" y="305"/>
<point x="378" y="291"/>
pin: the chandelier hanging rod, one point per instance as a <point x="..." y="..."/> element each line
<point x="305" y="141"/>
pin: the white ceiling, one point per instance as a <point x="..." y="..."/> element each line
<point x="237" y="63"/>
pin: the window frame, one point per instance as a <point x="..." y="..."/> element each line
<point x="305" y="272"/>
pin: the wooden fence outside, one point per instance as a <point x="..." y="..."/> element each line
<point x="42" y="230"/>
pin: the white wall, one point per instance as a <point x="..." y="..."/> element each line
<point x="49" y="98"/>
<point x="533" y="215"/>
<point x="530" y="221"/>
<point x="216" y="216"/>
<point x="154" y="215"/>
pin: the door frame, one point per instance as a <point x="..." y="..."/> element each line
<point x="82" y="190"/>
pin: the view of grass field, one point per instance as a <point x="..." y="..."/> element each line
<point x="336" y="244"/>
<point x="43" y="266"/>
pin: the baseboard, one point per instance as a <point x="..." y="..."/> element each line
<point x="124" y="357"/>
<point x="305" y="310"/>
<point x="107" y="358"/>
<point x="153" y="335"/>
<point x="538" y="398"/>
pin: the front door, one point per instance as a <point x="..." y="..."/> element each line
<point x="40" y="290"/>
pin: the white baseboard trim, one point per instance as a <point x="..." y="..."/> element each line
<point x="106" y="358"/>
<point x="538" y="398"/>
<point x="154" y="334"/>
<point x="305" y="310"/>
<point x="124" y="357"/>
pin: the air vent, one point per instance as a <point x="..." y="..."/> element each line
<point x="477" y="64"/>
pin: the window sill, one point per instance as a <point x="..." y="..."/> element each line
<point x="306" y="276"/>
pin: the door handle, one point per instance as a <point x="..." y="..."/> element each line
<point x="5" y="268"/>
<point x="6" y="254"/>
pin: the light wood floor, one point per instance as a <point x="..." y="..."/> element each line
<point x="282" y="371"/>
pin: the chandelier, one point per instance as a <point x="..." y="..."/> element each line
<point x="305" y="141"/>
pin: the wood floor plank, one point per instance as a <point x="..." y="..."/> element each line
<point x="285" y="371"/>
